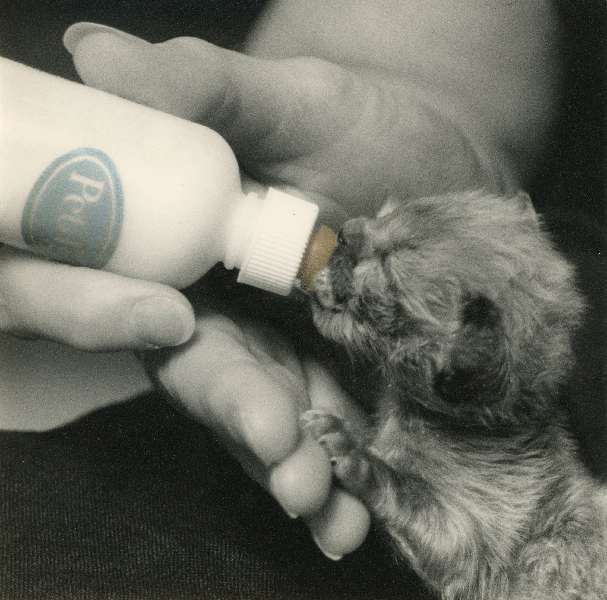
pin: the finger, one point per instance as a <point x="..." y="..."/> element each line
<point x="254" y="405"/>
<point x="88" y="309"/>
<point x="325" y="393"/>
<point x="342" y="524"/>
<point x="302" y="482"/>
<point x="218" y="380"/>
<point x="341" y="133"/>
<point x="291" y="122"/>
<point x="263" y="106"/>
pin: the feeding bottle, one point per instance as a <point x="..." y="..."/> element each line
<point x="91" y="179"/>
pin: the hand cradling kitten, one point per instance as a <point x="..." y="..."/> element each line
<point x="464" y="311"/>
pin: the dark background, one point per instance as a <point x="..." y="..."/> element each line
<point x="135" y="501"/>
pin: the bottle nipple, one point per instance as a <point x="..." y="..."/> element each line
<point x="321" y="245"/>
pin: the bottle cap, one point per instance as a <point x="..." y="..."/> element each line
<point x="279" y="242"/>
<point x="320" y="247"/>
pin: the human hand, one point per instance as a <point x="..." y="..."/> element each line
<point x="245" y="381"/>
<point x="88" y="309"/>
<point x="348" y="137"/>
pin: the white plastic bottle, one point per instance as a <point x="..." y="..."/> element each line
<point x="94" y="180"/>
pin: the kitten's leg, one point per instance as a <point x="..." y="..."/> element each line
<point x="440" y="541"/>
<point x="363" y="472"/>
<point x="400" y="501"/>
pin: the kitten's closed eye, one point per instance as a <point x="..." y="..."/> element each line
<point x="352" y="236"/>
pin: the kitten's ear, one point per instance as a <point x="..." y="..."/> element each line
<point x="525" y="205"/>
<point x="476" y="369"/>
<point x="389" y="206"/>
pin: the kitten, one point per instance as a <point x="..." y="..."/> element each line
<point x="465" y="311"/>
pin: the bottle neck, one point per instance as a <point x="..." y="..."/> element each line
<point x="266" y="239"/>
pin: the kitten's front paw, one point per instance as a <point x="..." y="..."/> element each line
<point x="327" y="429"/>
<point x="346" y="453"/>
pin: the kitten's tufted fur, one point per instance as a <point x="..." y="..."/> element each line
<point x="465" y="310"/>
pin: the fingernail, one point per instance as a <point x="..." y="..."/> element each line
<point x="291" y="515"/>
<point x="75" y="33"/>
<point x="330" y="556"/>
<point x="161" y="322"/>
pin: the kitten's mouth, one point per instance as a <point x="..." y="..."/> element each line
<point x="323" y="290"/>
<point x="332" y="289"/>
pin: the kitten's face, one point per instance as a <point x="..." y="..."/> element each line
<point x="439" y="277"/>
<point x="405" y="277"/>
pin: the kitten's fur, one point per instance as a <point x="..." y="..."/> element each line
<point x="466" y="311"/>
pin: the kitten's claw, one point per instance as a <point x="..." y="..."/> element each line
<point x="346" y="455"/>
<point x="319" y="422"/>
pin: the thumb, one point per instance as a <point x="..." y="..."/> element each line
<point x="275" y="110"/>
<point x="336" y="133"/>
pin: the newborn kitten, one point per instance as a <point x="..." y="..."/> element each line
<point x="465" y="312"/>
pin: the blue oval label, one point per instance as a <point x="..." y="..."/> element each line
<point x="74" y="211"/>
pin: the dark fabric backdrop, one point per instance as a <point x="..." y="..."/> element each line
<point x="138" y="502"/>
